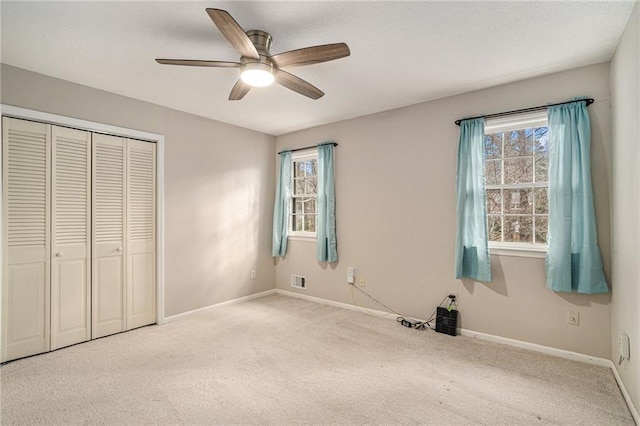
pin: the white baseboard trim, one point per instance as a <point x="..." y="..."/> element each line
<point x="537" y="348"/>
<point x="625" y="394"/>
<point x="177" y="317"/>
<point x="332" y="303"/>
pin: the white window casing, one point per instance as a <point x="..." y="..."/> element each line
<point x="298" y="157"/>
<point x="505" y="124"/>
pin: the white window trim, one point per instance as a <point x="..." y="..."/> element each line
<point x="504" y="124"/>
<point x="515" y="122"/>
<point x="518" y="249"/>
<point x="300" y="235"/>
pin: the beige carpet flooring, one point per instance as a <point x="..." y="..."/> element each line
<point x="281" y="360"/>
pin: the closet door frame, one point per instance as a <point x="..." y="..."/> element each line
<point x="43" y="117"/>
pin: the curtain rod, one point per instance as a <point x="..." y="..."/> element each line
<point x="589" y="101"/>
<point x="308" y="147"/>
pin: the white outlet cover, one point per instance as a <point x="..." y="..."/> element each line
<point x="623" y="345"/>
<point x="351" y="271"/>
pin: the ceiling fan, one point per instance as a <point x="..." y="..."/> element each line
<point x="258" y="66"/>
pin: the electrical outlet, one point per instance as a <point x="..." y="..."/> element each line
<point x="573" y="318"/>
<point x="361" y="282"/>
<point x="253" y="274"/>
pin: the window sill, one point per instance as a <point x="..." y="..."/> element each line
<point x="301" y="237"/>
<point x="535" y="252"/>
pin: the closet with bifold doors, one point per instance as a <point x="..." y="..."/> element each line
<point x="78" y="236"/>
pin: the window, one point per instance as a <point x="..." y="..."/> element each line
<point x="303" y="218"/>
<point x="516" y="156"/>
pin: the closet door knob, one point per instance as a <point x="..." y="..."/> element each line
<point x="119" y="249"/>
<point x="59" y="254"/>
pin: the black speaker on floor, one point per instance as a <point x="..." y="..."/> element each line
<point x="446" y="321"/>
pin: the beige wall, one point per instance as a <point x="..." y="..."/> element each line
<point x="395" y="188"/>
<point x="395" y="176"/>
<point x="219" y="187"/>
<point x="625" y="315"/>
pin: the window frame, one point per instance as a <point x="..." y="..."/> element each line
<point x="505" y="124"/>
<point x="303" y="235"/>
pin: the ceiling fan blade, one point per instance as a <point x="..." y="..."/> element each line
<point x="239" y="90"/>
<point x="311" y="55"/>
<point x="199" y="63"/>
<point x="233" y="32"/>
<point x="298" y="85"/>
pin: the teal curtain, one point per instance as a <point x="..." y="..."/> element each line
<point x="326" y="243"/>
<point x="281" y="208"/>
<point x="573" y="261"/>
<point x="472" y="250"/>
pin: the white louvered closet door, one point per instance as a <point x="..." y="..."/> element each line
<point x="141" y="287"/>
<point x="26" y="209"/>
<point x="109" y="230"/>
<point x="71" y="223"/>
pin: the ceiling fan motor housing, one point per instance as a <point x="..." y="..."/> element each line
<point x="261" y="40"/>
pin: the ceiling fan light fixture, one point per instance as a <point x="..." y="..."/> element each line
<point x="258" y="67"/>
<point x="257" y="74"/>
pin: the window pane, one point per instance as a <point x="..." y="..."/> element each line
<point x="542" y="225"/>
<point x="298" y="169"/>
<point x="512" y="201"/>
<point x="541" y="139"/>
<point x="542" y="167"/>
<point x="310" y="223"/>
<point x="518" y="170"/>
<point x="297" y="222"/>
<point x="310" y="186"/>
<point x="518" y="201"/>
<point x="542" y="201"/>
<point x="298" y="186"/>
<point x="311" y="167"/>
<point x="493" y="146"/>
<point x="492" y="171"/>
<point x="309" y="205"/>
<point x="494" y="227"/>
<point x="297" y="205"/>
<point x="518" y="143"/>
<point x="494" y="201"/>
<point x="518" y="229"/>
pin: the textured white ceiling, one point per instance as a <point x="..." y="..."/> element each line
<point x="402" y="53"/>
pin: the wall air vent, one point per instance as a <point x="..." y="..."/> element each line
<point x="298" y="281"/>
